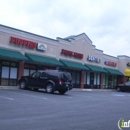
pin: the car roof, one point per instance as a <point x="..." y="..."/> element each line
<point x="52" y="71"/>
<point x="48" y="71"/>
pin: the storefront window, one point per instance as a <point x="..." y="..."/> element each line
<point x="109" y="81"/>
<point x="88" y="78"/>
<point x="5" y="72"/>
<point x="13" y="73"/>
<point x="85" y="78"/>
<point x="78" y="78"/>
<point x="13" y="76"/>
<point x="73" y="77"/>
<point x="9" y="73"/>
<point x="104" y="80"/>
<point x="98" y="78"/>
<point x="26" y="72"/>
<point x="106" y="83"/>
<point x="95" y="79"/>
<point x="92" y="79"/>
<point x="115" y="80"/>
<point x="29" y="69"/>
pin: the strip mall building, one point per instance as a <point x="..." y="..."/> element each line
<point x="22" y="53"/>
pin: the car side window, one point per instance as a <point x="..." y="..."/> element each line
<point x="44" y="74"/>
<point x="36" y="74"/>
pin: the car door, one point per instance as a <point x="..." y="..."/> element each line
<point x="127" y="86"/>
<point x="43" y="79"/>
<point x="33" y="80"/>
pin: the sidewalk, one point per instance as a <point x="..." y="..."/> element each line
<point x="9" y="87"/>
<point x="74" y="89"/>
<point x="103" y="90"/>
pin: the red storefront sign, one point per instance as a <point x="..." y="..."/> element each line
<point x="71" y="54"/>
<point x="19" y="41"/>
<point x="110" y="63"/>
<point x="28" y="66"/>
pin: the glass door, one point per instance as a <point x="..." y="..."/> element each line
<point x="5" y="76"/>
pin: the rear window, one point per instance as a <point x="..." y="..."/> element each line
<point x="66" y="76"/>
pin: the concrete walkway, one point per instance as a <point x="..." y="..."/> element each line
<point x="9" y="87"/>
<point x="74" y="89"/>
<point x="103" y="90"/>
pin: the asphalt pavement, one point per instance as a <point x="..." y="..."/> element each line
<point x="76" y="110"/>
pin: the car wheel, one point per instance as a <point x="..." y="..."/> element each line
<point x="50" y="88"/>
<point x="118" y="89"/>
<point x="62" y="91"/>
<point x="22" y="85"/>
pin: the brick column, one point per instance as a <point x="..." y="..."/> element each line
<point x="21" y="69"/>
<point x="82" y="80"/>
<point x="101" y="81"/>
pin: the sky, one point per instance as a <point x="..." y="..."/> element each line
<point x="105" y="22"/>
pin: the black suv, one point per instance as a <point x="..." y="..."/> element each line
<point x="50" y="80"/>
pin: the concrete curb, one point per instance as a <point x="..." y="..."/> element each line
<point x="96" y="90"/>
<point x="9" y="87"/>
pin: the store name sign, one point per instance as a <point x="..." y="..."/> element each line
<point x="27" y="66"/>
<point x="94" y="59"/>
<point x="41" y="47"/>
<point x="7" y="63"/>
<point x="109" y="63"/>
<point x="19" y="41"/>
<point x="71" y="54"/>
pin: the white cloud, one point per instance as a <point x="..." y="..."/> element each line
<point x="105" y="22"/>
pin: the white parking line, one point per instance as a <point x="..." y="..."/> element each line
<point x="119" y="95"/>
<point x="29" y="95"/>
<point x="6" y="98"/>
<point x="32" y="96"/>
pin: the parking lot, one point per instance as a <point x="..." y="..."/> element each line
<point x="76" y="110"/>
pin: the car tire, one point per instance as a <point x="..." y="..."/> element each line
<point x="62" y="91"/>
<point x="118" y="89"/>
<point x="22" y="85"/>
<point x="50" y="88"/>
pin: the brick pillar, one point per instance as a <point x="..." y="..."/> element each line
<point x="21" y="69"/>
<point x="82" y="80"/>
<point x="101" y="81"/>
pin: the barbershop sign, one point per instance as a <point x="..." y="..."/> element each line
<point x="27" y="43"/>
<point x="110" y="63"/>
<point x="71" y="54"/>
<point x="93" y="59"/>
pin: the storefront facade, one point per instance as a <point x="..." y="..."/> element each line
<point x="22" y="53"/>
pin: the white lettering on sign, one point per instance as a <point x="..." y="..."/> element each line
<point x="94" y="59"/>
